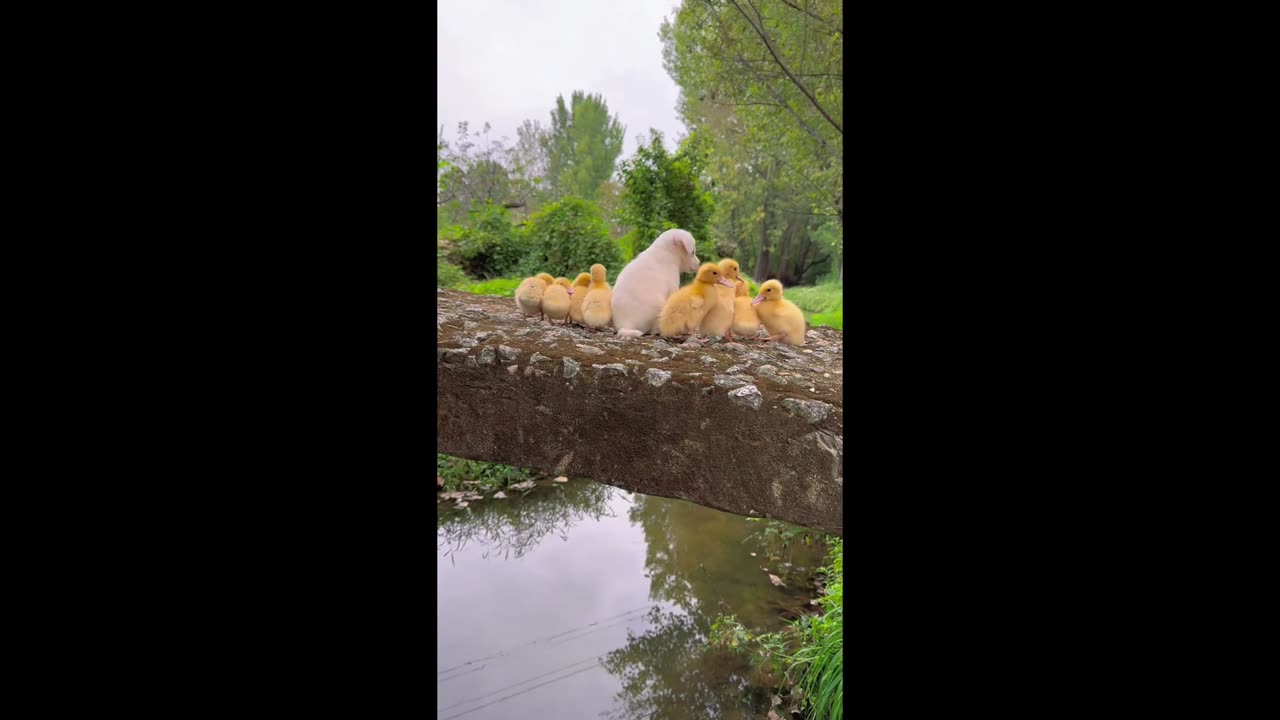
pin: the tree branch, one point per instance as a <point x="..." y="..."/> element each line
<point x="796" y="81"/>
<point x="826" y="258"/>
<point x="781" y="100"/>
<point x="815" y="17"/>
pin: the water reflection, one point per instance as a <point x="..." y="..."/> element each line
<point x="609" y="622"/>
<point x="697" y="561"/>
<point x="512" y="527"/>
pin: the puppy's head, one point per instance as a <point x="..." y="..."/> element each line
<point x="680" y="244"/>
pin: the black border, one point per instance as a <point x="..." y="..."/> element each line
<point x="272" y="168"/>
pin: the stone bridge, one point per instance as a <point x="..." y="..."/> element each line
<point x="751" y="428"/>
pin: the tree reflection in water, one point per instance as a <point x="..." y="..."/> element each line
<point x="511" y="529"/>
<point x="699" y="567"/>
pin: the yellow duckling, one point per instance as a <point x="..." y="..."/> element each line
<point x="719" y="319"/>
<point x="580" y="284"/>
<point x="745" y="320"/>
<point x="684" y="311"/>
<point x="597" y="308"/>
<point x="556" y="300"/>
<point x="781" y="318"/>
<point x="529" y="294"/>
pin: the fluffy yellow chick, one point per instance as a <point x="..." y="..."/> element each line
<point x="597" y="309"/>
<point x="781" y="318"/>
<point x="556" y="300"/>
<point x="529" y="294"/>
<point x="720" y="317"/>
<point x="745" y="320"/>
<point x="580" y="284"/>
<point x="684" y="310"/>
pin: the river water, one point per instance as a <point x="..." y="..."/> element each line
<point x="580" y="600"/>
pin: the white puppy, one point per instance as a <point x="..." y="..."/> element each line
<point x="644" y="285"/>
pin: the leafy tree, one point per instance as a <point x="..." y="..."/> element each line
<point x="762" y="79"/>
<point x="475" y="172"/>
<point x="567" y="237"/>
<point x="581" y="146"/>
<point x="663" y="191"/>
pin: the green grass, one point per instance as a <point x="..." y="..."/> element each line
<point x="809" y="652"/>
<point x="504" y="287"/>
<point x="829" y="319"/>
<point x="824" y="298"/>
<point x="822" y="645"/>
<point x="482" y="476"/>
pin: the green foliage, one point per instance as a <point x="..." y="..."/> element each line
<point x="449" y="275"/>
<point x="627" y="246"/>
<point x="772" y="76"/>
<point x="776" y="541"/>
<point x="661" y="191"/>
<point x="769" y="650"/>
<point x="488" y="246"/>
<point x="762" y="82"/>
<point x="821" y="653"/>
<point x="460" y="474"/>
<point x="502" y="287"/>
<point x="582" y="145"/>
<point x="567" y="237"/>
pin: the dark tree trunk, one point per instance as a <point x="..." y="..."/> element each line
<point x="784" y="252"/>
<point x="762" y="261"/>
<point x="804" y="252"/>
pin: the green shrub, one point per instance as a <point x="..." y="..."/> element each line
<point x="566" y="238"/>
<point x="449" y="275"/>
<point x="489" y="245"/>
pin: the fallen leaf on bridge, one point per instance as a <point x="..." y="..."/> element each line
<point x="777" y="581"/>
<point x="561" y="479"/>
<point x="499" y="495"/>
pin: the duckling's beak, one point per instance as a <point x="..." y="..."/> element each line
<point x="759" y="299"/>
<point x="570" y="291"/>
<point x="725" y="282"/>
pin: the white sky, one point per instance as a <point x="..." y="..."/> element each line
<point x="504" y="61"/>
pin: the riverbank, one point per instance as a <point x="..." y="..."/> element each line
<point x="805" y="660"/>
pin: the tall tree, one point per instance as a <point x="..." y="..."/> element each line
<point x="662" y="191"/>
<point x="475" y="172"/>
<point x="763" y="79"/>
<point x="581" y="146"/>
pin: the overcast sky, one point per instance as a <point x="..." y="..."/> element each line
<point x="504" y="61"/>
